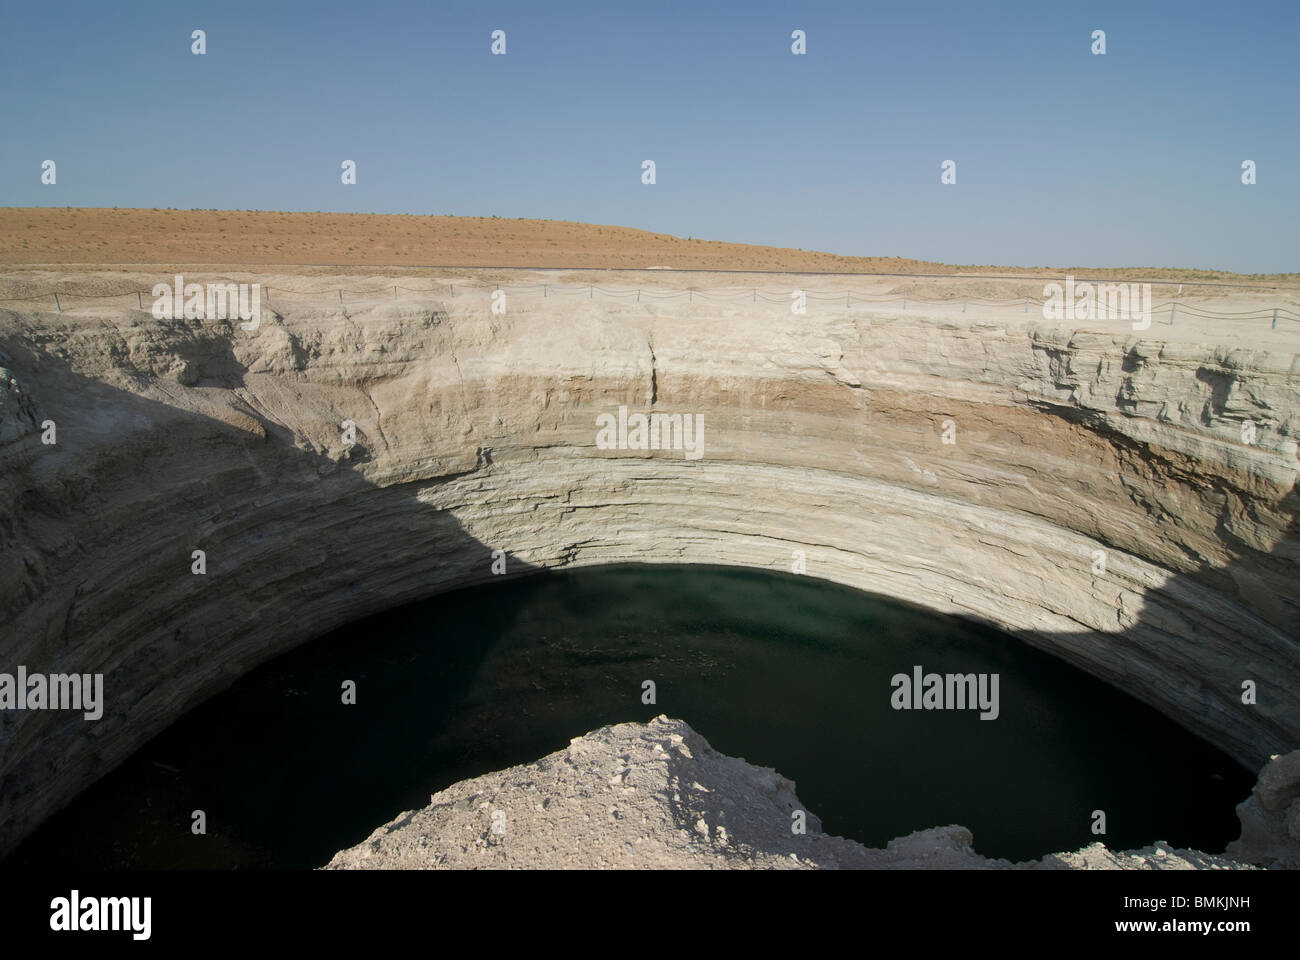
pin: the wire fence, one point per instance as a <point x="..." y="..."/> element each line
<point x="345" y="296"/>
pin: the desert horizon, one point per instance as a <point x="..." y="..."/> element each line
<point x="79" y="236"/>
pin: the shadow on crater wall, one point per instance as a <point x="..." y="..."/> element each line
<point x="98" y="532"/>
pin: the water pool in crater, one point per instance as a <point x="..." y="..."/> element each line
<point x="786" y="671"/>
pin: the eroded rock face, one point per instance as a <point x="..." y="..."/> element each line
<point x="1270" y="816"/>
<point x="656" y="795"/>
<point x="474" y="432"/>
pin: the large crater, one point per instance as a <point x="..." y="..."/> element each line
<point x="476" y="432"/>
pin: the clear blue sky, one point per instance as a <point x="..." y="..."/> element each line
<point x="1063" y="158"/>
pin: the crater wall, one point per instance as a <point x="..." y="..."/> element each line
<point x="823" y="442"/>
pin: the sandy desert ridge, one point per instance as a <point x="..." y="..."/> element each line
<point x="346" y="243"/>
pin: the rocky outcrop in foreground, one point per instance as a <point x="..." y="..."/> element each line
<point x="656" y="795"/>
<point x="1270" y="816"/>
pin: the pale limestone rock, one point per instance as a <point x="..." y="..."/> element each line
<point x="1270" y="816"/>
<point x="476" y="432"/>
<point x="723" y="814"/>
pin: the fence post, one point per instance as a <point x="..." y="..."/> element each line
<point x="394" y="292"/>
<point x="591" y="292"/>
<point x="56" y="303"/>
<point x="1275" y="318"/>
<point x="340" y="296"/>
<point x="638" y="296"/>
<point x="963" y="306"/>
<point x="140" y="303"/>
<point x="1173" y="308"/>
<point x="1026" y="304"/>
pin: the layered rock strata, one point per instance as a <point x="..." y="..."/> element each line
<point x="1102" y="497"/>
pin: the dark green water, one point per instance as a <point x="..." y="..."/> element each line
<point x="785" y="671"/>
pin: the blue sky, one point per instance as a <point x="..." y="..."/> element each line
<point x="1063" y="158"/>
